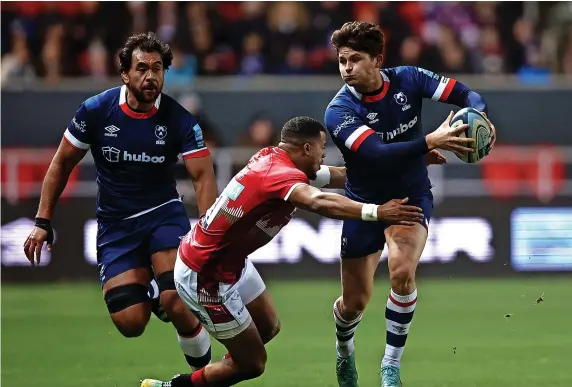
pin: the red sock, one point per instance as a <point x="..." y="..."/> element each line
<point x="198" y="378"/>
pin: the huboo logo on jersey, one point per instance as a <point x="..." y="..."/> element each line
<point x="142" y="158"/>
<point x="399" y="130"/>
<point x="112" y="154"/>
<point x="401" y="99"/>
<point x="372" y="117"/>
<point x="111" y="131"/>
<point x="348" y="120"/>
<point x="161" y="133"/>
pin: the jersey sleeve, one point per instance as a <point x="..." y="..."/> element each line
<point x="348" y="129"/>
<point x="447" y="90"/>
<point x="280" y="181"/>
<point x="193" y="144"/>
<point x="79" y="132"/>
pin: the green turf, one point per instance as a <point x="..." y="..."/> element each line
<point x="60" y="335"/>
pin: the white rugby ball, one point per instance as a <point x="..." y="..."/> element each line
<point x="479" y="130"/>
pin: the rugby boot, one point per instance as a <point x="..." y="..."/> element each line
<point x="154" y="383"/>
<point x="346" y="371"/>
<point x="390" y="377"/>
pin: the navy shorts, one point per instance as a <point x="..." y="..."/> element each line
<point x="128" y="244"/>
<point x="360" y="238"/>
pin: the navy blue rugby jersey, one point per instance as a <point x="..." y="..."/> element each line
<point x="381" y="137"/>
<point x="134" y="153"/>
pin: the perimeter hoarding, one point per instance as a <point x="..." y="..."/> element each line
<point x="468" y="237"/>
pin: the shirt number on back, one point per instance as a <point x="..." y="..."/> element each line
<point x="231" y="192"/>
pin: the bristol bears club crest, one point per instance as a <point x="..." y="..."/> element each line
<point x="161" y="133"/>
<point x="401" y="99"/>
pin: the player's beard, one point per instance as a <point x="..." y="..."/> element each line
<point x="144" y="95"/>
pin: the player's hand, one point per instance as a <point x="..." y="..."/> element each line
<point x="396" y="212"/>
<point x="447" y="138"/>
<point x="435" y="157"/>
<point x="493" y="131"/>
<point x="42" y="233"/>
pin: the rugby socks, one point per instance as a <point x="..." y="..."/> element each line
<point x="197" y="348"/>
<point x="345" y="332"/>
<point x="398" y="316"/>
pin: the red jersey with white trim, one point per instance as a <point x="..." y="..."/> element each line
<point x="251" y="210"/>
<point x="361" y="124"/>
<point x="134" y="153"/>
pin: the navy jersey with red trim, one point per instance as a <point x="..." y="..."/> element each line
<point x="381" y="137"/>
<point x="134" y="153"/>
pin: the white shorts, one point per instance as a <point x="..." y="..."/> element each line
<point x="221" y="308"/>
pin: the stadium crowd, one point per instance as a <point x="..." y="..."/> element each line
<point x="57" y="39"/>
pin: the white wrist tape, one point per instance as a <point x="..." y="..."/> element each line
<point x="322" y="177"/>
<point x="369" y="212"/>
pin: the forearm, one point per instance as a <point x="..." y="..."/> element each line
<point x="337" y="177"/>
<point x="54" y="184"/>
<point x="336" y="206"/>
<point x="385" y="154"/>
<point x="463" y="96"/>
<point x="205" y="192"/>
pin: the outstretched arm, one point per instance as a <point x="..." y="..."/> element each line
<point x="337" y="206"/>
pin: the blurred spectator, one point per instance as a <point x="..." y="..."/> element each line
<point x="16" y="64"/>
<point x="167" y="20"/>
<point x="491" y="51"/>
<point x="97" y="59"/>
<point x="296" y="61"/>
<point x="182" y="71"/>
<point x="411" y="49"/>
<point x="260" y="133"/>
<point x="192" y="103"/>
<point x="252" y="58"/>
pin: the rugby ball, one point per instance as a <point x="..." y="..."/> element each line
<point x="479" y="130"/>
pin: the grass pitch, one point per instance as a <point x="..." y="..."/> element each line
<point x="60" y="335"/>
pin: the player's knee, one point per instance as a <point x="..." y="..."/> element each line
<point x="254" y="367"/>
<point x="132" y="326"/>
<point x="401" y="275"/>
<point x="129" y="308"/>
<point x="272" y="333"/>
<point x="354" y="304"/>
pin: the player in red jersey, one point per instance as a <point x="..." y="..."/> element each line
<point x="213" y="275"/>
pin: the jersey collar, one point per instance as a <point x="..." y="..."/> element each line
<point x="373" y="98"/>
<point x="137" y="115"/>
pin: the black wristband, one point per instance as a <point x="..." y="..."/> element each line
<point x="43" y="223"/>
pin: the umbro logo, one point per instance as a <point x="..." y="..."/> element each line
<point x="372" y="118"/>
<point x="111" y="131"/>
